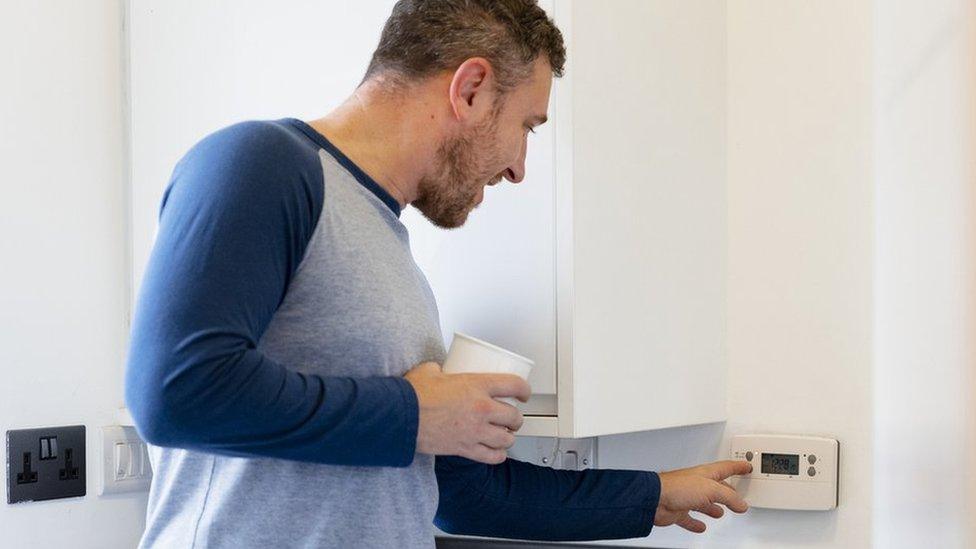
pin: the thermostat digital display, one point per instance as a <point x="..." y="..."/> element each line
<point x="781" y="464"/>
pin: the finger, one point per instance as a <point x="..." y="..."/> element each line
<point x="728" y="497"/>
<point x="498" y="438"/>
<point x="506" y="415"/>
<point x="690" y="524"/>
<point x="493" y="456"/>
<point x="711" y="510"/>
<point x="508" y="385"/>
<point x="721" y="470"/>
<point x="484" y="454"/>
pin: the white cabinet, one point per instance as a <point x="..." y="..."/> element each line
<point x="606" y="265"/>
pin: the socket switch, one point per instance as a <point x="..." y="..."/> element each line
<point x="46" y="463"/>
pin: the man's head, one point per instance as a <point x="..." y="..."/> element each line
<point x="496" y="59"/>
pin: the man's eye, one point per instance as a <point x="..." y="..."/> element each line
<point x="531" y="130"/>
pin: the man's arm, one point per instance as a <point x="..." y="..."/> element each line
<point x="235" y="222"/>
<point x="523" y="501"/>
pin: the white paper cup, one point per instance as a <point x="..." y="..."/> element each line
<point x="469" y="355"/>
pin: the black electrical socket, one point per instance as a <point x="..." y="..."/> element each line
<point x="47" y="463"/>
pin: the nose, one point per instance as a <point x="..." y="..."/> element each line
<point x="516" y="172"/>
<point x="514" y="177"/>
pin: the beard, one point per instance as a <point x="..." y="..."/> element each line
<point x="448" y="195"/>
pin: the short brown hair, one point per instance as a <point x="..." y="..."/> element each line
<point x="424" y="37"/>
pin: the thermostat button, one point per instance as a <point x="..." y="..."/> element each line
<point x="748" y="456"/>
<point x="811" y="471"/>
<point x="812" y="459"/>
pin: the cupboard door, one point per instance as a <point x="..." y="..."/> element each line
<point x="648" y="216"/>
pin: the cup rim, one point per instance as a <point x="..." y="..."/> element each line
<point x="494" y="347"/>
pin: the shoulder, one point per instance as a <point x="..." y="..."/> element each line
<point x="255" y="161"/>
<point x="256" y="143"/>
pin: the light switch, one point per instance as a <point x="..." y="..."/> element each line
<point x="146" y="470"/>
<point x="121" y="460"/>
<point x="135" y="459"/>
<point x="125" y="466"/>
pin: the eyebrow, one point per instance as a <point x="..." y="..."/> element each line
<point x="538" y="119"/>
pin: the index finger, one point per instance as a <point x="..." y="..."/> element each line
<point x="508" y="385"/>
<point x="721" y="470"/>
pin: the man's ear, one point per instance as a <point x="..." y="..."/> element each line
<point x="472" y="90"/>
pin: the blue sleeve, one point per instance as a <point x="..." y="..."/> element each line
<point x="234" y="224"/>
<point x="518" y="500"/>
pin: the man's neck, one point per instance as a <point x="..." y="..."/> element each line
<point x="383" y="137"/>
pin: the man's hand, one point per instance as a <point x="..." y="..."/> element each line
<point x="700" y="489"/>
<point x="459" y="415"/>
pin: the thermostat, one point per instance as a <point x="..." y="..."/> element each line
<point x="788" y="472"/>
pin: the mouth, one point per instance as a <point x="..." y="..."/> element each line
<point x="481" y="190"/>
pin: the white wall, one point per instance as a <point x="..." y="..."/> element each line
<point x="63" y="280"/>
<point x="926" y="273"/>
<point x="852" y="268"/>
<point x="231" y="61"/>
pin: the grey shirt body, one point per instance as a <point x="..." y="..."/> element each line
<point x="358" y="305"/>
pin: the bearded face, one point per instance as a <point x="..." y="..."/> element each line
<point x="463" y="166"/>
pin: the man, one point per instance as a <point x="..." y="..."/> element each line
<point x="285" y="352"/>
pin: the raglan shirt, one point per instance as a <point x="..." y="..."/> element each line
<point x="280" y="308"/>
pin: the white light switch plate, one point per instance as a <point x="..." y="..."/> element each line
<point x="125" y="461"/>
<point x="788" y="472"/>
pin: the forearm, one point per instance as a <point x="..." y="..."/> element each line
<point x="519" y="500"/>
<point x="249" y="406"/>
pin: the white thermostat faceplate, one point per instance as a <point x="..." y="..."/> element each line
<point x="788" y="472"/>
